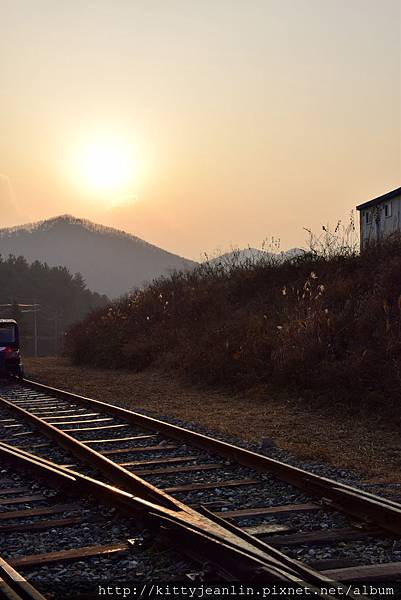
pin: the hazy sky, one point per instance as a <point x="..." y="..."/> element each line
<point x="197" y="124"/>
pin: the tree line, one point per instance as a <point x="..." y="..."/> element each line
<point x="44" y="300"/>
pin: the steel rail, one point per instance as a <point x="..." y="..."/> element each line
<point x="14" y="586"/>
<point x="345" y="498"/>
<point x="247" y="547"/>
<point x="231" y="561"/>
<point x="133" y="483"/>
<point x="115" y="472"/>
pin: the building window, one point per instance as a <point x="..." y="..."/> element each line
<point x="387" y="209"/>
<point x="368" y="217"/>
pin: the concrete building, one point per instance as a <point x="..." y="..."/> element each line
<point x="380" y="217"/>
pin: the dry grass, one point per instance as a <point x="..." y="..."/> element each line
<point x="326" y="325"/>
<point x="366" y="444"/>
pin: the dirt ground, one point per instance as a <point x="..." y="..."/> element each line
<point x="370" y="448"/>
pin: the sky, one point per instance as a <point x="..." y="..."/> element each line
<point x="199" y="125"/>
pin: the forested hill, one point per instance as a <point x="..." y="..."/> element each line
<point x="111" y="261"/>
<point x="60" y="299"/>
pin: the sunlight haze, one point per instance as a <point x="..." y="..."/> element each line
<point x="198" y="125"/>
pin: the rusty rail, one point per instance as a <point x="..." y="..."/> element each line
<point x="14" y="586"/>
<point x="232" y="560"/>
<point x="339" y="496"/>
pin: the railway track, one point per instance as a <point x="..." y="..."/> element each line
<point x="63" y="540"/>
<point x="249" y="516"/>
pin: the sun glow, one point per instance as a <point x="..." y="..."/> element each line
<point x="107" y="166"/>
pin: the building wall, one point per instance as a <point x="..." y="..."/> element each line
<point x="376" y="225"/>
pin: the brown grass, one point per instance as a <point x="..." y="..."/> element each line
<point x="367" y="444"/>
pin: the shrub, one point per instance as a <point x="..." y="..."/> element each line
<point x="329" y="324"/>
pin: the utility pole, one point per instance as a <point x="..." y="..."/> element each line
<point x="56" y="334"/>
<point x="35" y="329"/>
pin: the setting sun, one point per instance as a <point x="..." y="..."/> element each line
<point x="107" y="166"/>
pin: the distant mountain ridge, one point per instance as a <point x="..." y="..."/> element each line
<point x="244" y="255"/>
<point x="111" y="261"/>
<point x="47" y="224"/>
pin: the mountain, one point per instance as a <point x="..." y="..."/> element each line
<point x="253" y="255"/>
<point x="111" y="261"/>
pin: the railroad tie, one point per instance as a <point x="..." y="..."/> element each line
<point x="119" y="426"/>
<point x="41" y="525"/>
<point x="268" y="510"/>
<point x="35" y="512"/>
<point x="14" y="490"/>
<point x="158" y="448"/>
<point x="267" y="529"/>
<point x="76" y="416"/>
<point x="33" y="560"/>
<point x="211" y="485"/>
<point x="21" y="499"/>
<point x="326" y="536"/>
<point x="158" y="461"/>
<point x="184" y="469"/>
<point x="121" y="439"/>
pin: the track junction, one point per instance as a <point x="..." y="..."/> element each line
<point x="192" y="493"/>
